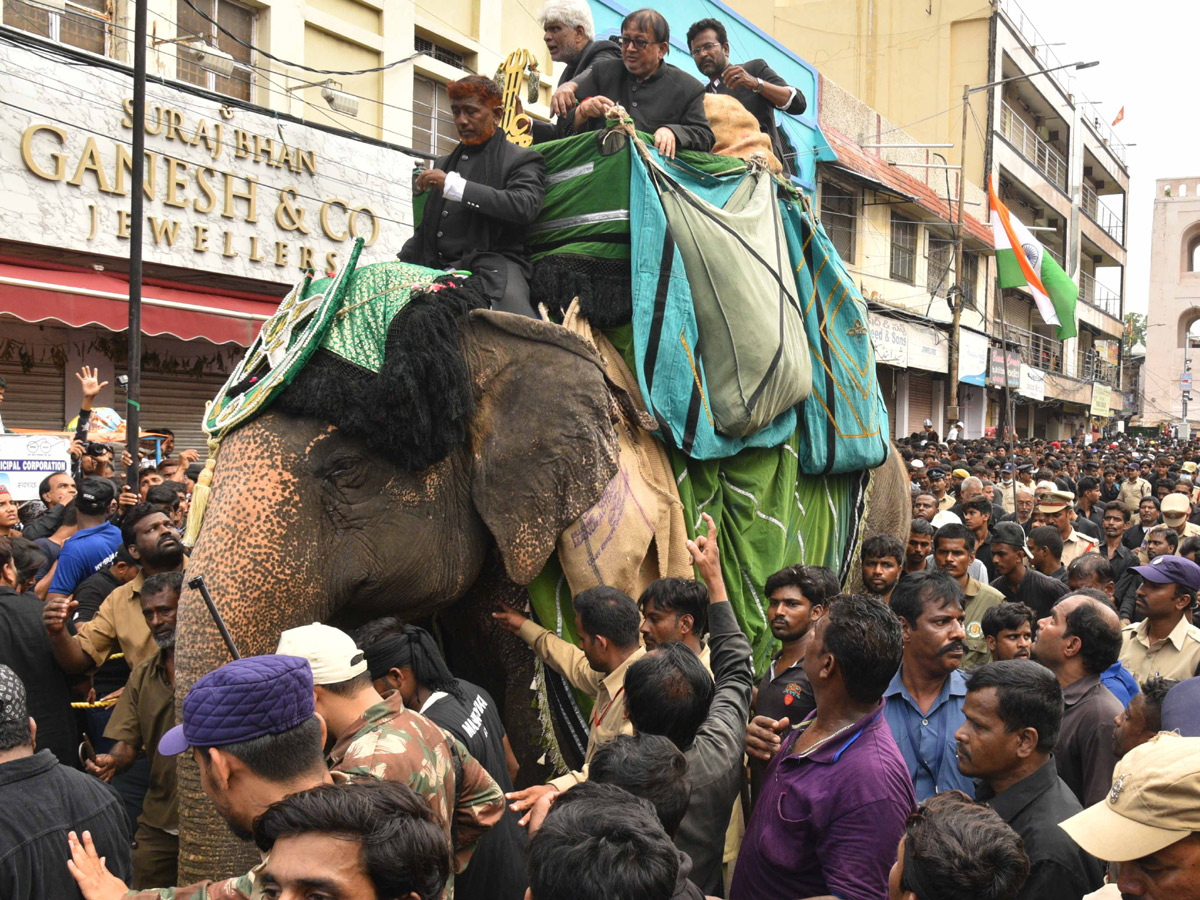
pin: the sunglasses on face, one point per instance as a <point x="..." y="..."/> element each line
<point x="638" y="44"/>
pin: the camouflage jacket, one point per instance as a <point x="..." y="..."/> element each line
<point x="396" y="744"/>
<point x="243" y="887"/>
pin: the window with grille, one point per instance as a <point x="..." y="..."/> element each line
<point x="939" y="257"/>
<point x="236" y="19"/>
<point x="839" y="215"/>
<point x="438" y="52"/>
<point x="82" y="23"/>
<point x="433" y="125"/>
<point x="904" y="249"/>
<point x="970" y="275"/>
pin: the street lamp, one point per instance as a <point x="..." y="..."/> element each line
<point x="956" y="292"/>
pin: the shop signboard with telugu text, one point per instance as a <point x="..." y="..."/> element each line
<point x="890" y="337"/>
<point x="1101" y="395"/>
<point x="25" y="459"/>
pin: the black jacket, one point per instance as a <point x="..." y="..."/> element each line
<point x="43" y="800"/>
<point x="670" y="97"/>
<point x="763" y="109"/>
<point x="25" y="647"/>
<point x="506" y="187"/>
<point x="591" y="52"/>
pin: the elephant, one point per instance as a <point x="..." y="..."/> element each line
<point x="344" y="520"/>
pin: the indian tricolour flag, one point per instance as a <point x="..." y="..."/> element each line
<point x="1021" y="261"/>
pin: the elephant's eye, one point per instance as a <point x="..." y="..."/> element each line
<point x="347" y="471"/>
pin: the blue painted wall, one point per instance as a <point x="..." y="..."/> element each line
<point x="746" y="41"/>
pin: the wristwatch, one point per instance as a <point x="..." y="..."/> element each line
<point x="758" y="90"/>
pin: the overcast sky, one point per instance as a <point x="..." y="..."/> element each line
<point x="1147" y="54"/>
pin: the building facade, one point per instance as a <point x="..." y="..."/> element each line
<point x="1056" y="164"/>
<point x="1172" y="340"/>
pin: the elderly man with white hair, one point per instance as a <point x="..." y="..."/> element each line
<point x="570" y="38"/>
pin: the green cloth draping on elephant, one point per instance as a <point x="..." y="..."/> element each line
<point x="768" y="516"/>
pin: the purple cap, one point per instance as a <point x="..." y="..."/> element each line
<point x="1172" y="570"/>
<point x="1181" y="708"/>
<point x="242" y="700"/>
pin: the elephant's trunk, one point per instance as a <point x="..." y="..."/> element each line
<point x="259" y="577"/>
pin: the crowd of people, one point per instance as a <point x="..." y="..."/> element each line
<point x="1007" y="708"/>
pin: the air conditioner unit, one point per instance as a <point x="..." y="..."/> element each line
<point x="213" y="58"/>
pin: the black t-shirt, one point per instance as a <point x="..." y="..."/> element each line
<point x="497" y="867"/>
<point x="1037" y="591"/>
<point x="89" y="595"/>
<point x="782" y="692"/>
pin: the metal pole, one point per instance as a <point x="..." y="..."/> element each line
<point x="957" y="293"/>
<point x="198" y="584"/>
<point x="137" y="220"/>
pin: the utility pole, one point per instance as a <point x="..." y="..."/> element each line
<point x="957" y="292"/>
<point x="137" y="221"/>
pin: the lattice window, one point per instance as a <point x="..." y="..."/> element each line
<point x="238" y="20"/>
<point x="83" y="23"/>
<point x="839" y="215"/>
<point x="904" y="249"/>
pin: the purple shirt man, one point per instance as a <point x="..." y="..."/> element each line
<point x="833" y="808"/>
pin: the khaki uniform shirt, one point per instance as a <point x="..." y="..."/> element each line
<point x="979" y="599"/>
<point x="608" y="717"/>
<point x="946" y="502"/>
<point x="1177" y="656"/>
<point x="1075" y="545"/>
<point x="119" y="625"/>
<point x="145" y="712"/>
<point x="1132" y="492"/>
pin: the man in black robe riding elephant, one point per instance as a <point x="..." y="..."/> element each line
<point x="481" y="198"/>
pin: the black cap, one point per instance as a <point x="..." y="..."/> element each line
<point x="95" y="494"/>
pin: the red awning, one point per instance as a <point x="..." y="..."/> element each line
<point x="80" y="298"/>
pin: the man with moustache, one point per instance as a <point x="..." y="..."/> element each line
<point x="1018" y="582"/>
<point x="753" y="83"/>
<point x="924" y="699"/>
<point x="954" y="552"/>
<point x="570" y="37"/>
<point x="153" y="542"/>
<point x="1012" y="714"/>
<point x="144" y="713"/>
<point x="1022" y="514"/>
<point x="675" y="609"/>
<point x="925" y="506"/>
<point x="882" y="564"/>
<point x="1008" y="630"/>
<point x="482" y="195"/>
<point x="920" y="546"/>
<point x="1115" y="523"/>
<point x="796" y="600"/>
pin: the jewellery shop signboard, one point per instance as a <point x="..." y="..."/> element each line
<point x="228" y="190"/>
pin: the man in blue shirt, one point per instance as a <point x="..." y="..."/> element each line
<point x="94" y="545"/>
<point x="925" y="697"/>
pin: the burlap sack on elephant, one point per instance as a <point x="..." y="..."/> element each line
<point x="636" y="531"/>
<point x="737" y="131"/>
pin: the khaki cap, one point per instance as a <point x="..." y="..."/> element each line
<point x="1175" y="506"/>
<point x="1053" y="501"/>
<point x="332" y="654"/>
<point x="961" y="473"/>
<point x="1189" y="467"/>
<point x="1154" y="802"/>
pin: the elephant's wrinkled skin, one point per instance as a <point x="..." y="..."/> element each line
<point x="305" y="524"/>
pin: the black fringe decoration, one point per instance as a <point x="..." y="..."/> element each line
<point x="416" y="409"/>
<point x="603" y="287"/>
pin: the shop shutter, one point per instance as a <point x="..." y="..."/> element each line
<point x="33" y="399"/>
<point x="887" y="384"/>
<point x="920" y="399"/>
<point x="177" y="402"/>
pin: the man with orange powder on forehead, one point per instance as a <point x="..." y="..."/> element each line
<point x="480" y="199"/>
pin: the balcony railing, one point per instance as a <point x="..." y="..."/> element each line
<point x="1041" y="155"/>
<point x="1091" y="291"/>
<point x="1091" y="367"/>
<point x="1037" y="350"/>
<point x="1102" y="215"/>
<point x="1058" y="257"/>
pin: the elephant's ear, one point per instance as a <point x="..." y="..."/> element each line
<point x="542" y="435"/>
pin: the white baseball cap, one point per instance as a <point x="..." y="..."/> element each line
<point x="332" y="654"/>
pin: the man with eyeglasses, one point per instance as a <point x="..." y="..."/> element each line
<point x="754" y="84"/>
<point x="661" y="99"/>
